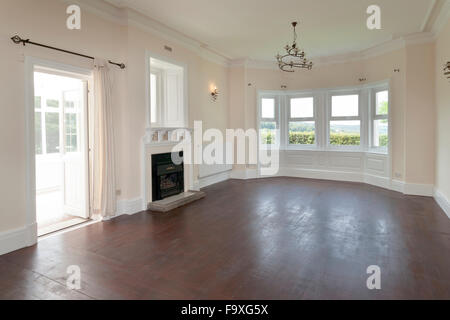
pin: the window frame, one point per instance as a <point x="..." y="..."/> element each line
<point x="184" y="96"/>
<point x="159" y="97"/>
<point x="44" y="110"/>
<point x="42" y="137"/>
<point x="373" y="117"/>
<point x="276" y="119"/>
<point x="330" y="118"/>
<point x="323" y="116"/>
<point x="314" y="119"/>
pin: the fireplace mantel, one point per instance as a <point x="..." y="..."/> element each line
<point x="165" y="136"/>
<point x="163" y="144"/>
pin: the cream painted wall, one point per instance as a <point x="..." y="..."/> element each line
<point x="44" y="21"/>
<point x="237" y="83"/>
<point x="379" y="68"/>
<point x="420" y="115"/>
<point x="201" y="75"/>
<point x="443" y="113"/>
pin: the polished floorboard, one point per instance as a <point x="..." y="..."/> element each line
<point x="277" y="238"/>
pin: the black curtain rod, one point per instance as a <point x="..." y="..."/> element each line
<point x="17" y="40"/>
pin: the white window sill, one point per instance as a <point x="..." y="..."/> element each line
<point x="302" y="147"/>
<point x="378" y="151"/>
<point x="336" y="150"/>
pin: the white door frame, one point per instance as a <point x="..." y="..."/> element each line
<point x="30" y="174"/>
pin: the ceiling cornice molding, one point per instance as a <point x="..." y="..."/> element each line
<point x="441" y="18"/>
<point x="437" y="17"/>
<point x="101" y="9"/>
<point x="145" y="23"/>
<point x="429" y="16"/>
<point x="130" y="17"/>
<point x="378" y="50"/>
<point x="114" y="10"/>
<point x="239" y="63"/>
<point x="419" y="38"/>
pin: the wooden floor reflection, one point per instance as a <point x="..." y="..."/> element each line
<point x="278" y="238"/>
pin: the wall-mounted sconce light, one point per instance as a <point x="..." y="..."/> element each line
<point x="214" y="94"/>
<point x="447" y="70"/>
<point x="362" y="79"/>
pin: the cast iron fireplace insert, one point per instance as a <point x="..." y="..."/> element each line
<point x="167" y="177"/>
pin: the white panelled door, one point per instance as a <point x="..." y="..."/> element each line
<point x="74" y="151"/>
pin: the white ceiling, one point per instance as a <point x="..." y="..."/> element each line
<point x="258" y="29"/>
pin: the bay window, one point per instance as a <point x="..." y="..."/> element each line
<point x="352" y="119"/>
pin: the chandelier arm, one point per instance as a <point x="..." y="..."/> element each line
<point x="282" y="68"/>
<point x="301" y="66"/>
<point x="287" y="55"/>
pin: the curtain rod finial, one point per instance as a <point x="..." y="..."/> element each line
<point x="16" y="39"/>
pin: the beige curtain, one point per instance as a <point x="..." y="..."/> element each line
<point x="104" y="183"/>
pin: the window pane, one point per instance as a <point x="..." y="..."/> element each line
<point x="153" y="94"/>
<point x="380" y="133"/>
<point x="72" y="100"/>
<point x="52" y="131"/>
<point x="268" y="108"/>
<point x="38" y="132"/>
<point x="168" y="101"/>
<point x="302" y="108"/>
<point x="71" y="132"/>
<point x="345" y="106"/>
<point x="382" y="103"/>
<point x="53" y="103"/>
<point x="37" y="102"/>
<point x="303" y="132"/>
<point x="268" y="132"/>
<point x="345" y="133"/>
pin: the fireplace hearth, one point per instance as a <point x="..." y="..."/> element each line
<point x="167" y="177"/>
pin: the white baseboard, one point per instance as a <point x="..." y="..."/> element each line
<point x="413" y="189"/>
<point x="244" y="174"/>
<point x="18" y="238"/>
<point x="397" y="185"/>
<point x="379" y="181"/>
<point x="320" y="174"/>
<point x="129" y="207"/>
<point x="382" y="182"/>
<point x="443" y="201"/>
<point x="213" y="179"/>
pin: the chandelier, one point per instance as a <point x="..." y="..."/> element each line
<point x="294" y="57"/>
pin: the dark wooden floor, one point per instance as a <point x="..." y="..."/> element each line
<point x="280" y="238"/>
